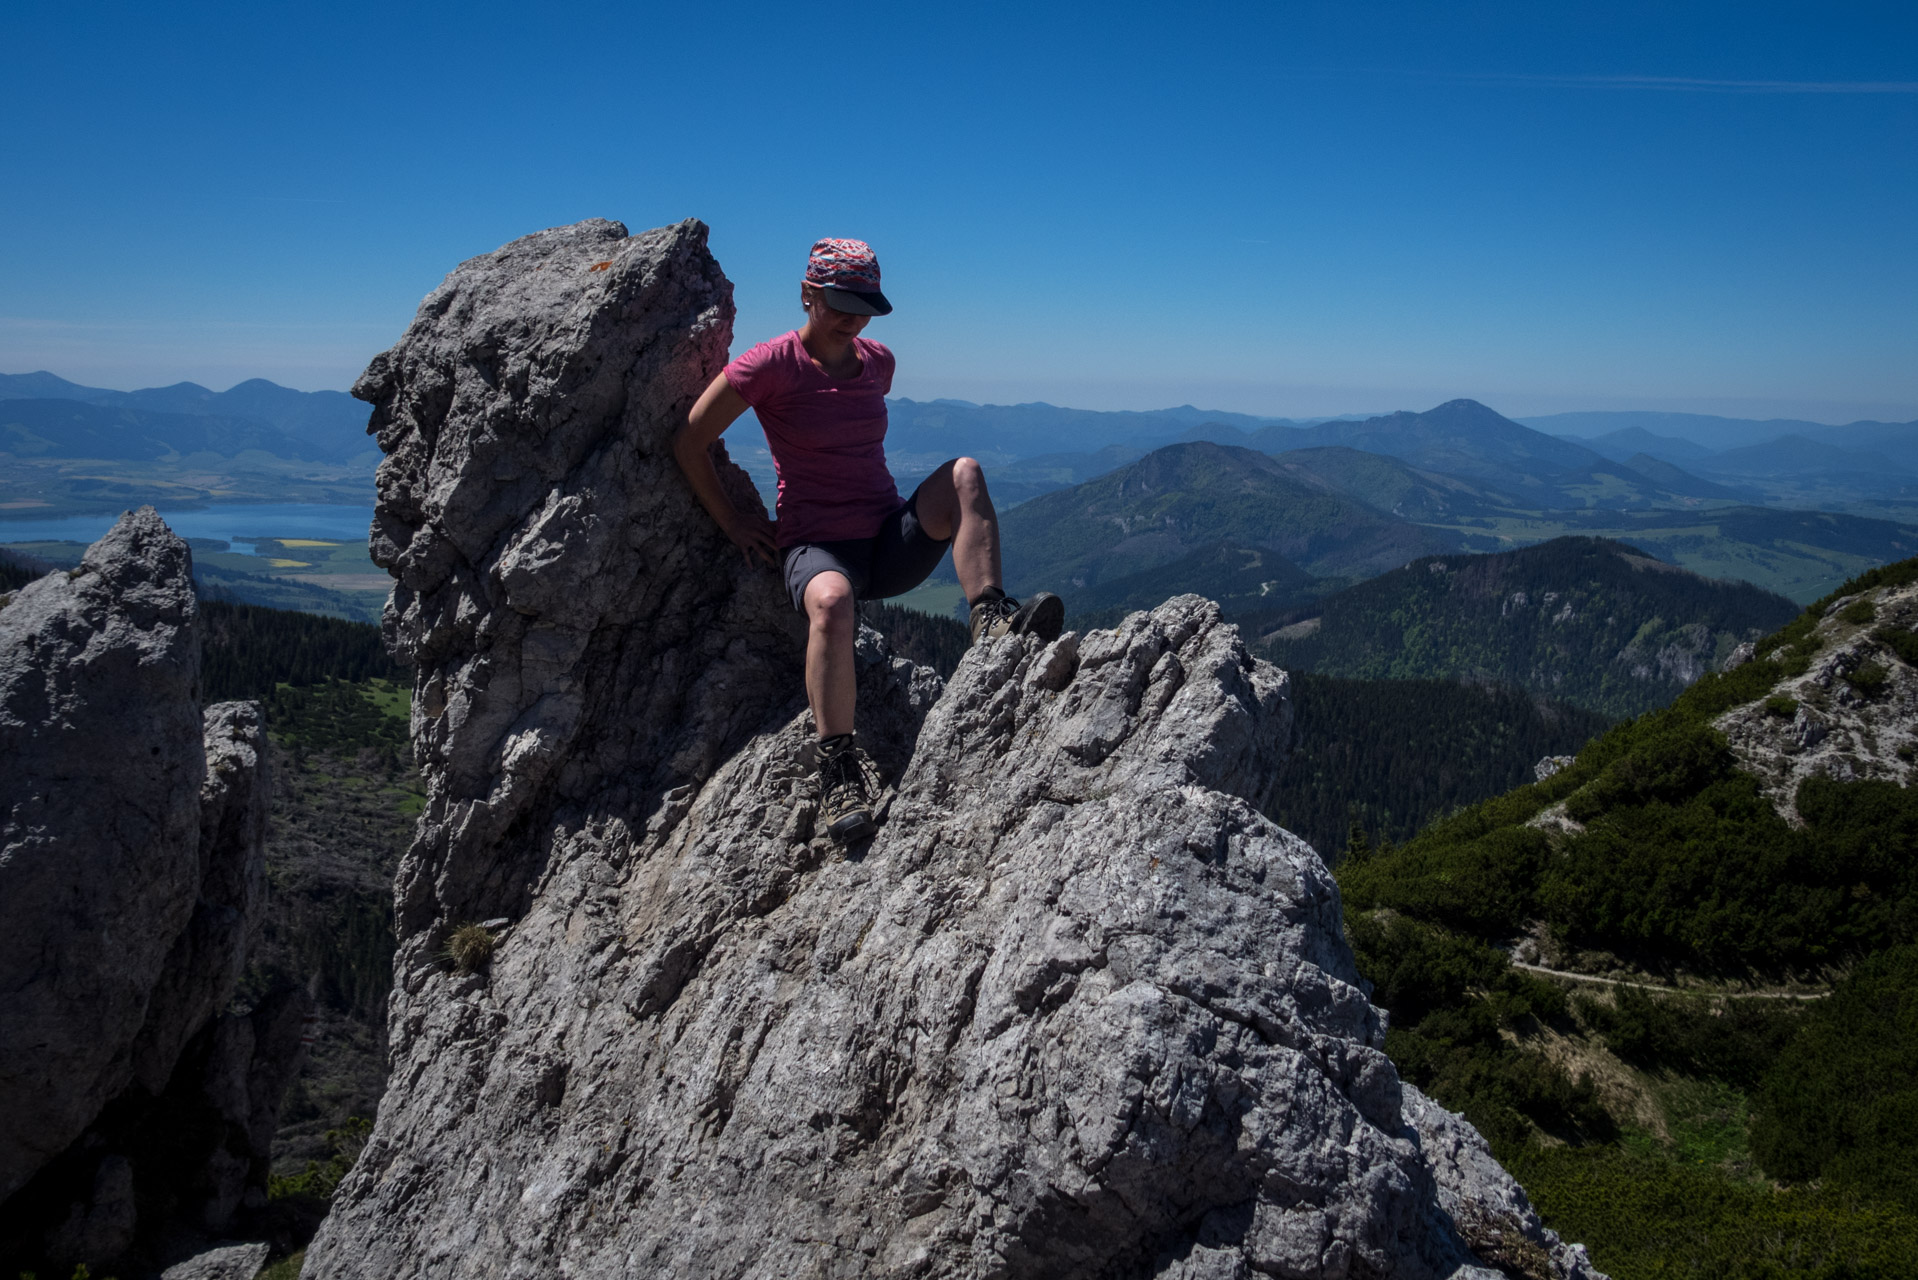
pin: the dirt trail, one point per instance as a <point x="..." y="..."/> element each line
<point x="1671" y="991"/>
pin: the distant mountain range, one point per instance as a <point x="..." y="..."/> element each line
<point x="1464" y="438"/>
<point x="1714" y="434"/>
<point x="1263" y="513"/>
<point x="1780" y="460"/>
<point x="949" y="427"/>
<point x="1566" y="462"/>
<point x="45" y="416"/>
<point x="1506" y="464"/>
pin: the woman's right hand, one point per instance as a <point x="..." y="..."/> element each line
<point x="752" y="533"/>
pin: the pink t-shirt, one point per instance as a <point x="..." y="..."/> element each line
<point x="827" y="436"/>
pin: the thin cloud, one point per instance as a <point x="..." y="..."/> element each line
<point x="1697" y="84"/>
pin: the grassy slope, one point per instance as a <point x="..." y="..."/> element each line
<point x="1707" y="1133"/>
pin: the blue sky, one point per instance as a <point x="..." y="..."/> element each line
<point x="1272" y="208"/>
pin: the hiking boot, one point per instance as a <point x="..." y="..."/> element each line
<point x="848" y="790"/>
<point x="1044" y="616"/>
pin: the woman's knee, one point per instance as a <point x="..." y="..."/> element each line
<point x="968" y="477"/>
<point x="829" y="602"/>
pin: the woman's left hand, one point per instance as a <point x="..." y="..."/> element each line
<point x="752" y="533"/>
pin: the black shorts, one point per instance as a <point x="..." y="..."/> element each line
<point x="890" y="563"/>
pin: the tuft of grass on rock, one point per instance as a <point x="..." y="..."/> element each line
<point x="1859" y="612"/>
<point x="287" y="1268"/>
<point x="469" y="946"/>
<point x="1900" y="641"/>
<point x="1868" y="678"/>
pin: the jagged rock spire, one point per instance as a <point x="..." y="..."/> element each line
<point x="136" y="1111"/>
<point x="1080" y="1008"/>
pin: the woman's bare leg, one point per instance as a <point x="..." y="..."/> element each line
<point x="953" y="503"/>
<point x="831" y="684"/>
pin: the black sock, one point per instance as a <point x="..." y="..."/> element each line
<point x="829" y="747"/>
<point x="991" y="595"/>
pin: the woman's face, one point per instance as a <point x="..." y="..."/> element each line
<point x="824" y="319"/>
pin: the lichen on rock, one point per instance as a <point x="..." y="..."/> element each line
<point x="1079" y="1009"/>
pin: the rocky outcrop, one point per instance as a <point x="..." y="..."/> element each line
<point x="1549" y="765"/>
<point x="1851" y="715"/>
<point x="101" y="761"/>
<point x="1677" y="657"/>
<point x="230" y="1262"/>
<point x="1079" y="1009"/>
<point x="131" y="880"/>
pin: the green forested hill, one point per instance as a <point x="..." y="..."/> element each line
<point x="13" y="574"/>
<point x="1605" y="972"/>
<point x="1241" y="579"/>
<point x="345" y="798"/>
<point x="1384" y="757"/>
<point x="1593" y="622"/>
<point x="248" y="651"/>
<point x="1186" y="497"/>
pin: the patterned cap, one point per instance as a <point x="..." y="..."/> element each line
<point x="848" y="271"/>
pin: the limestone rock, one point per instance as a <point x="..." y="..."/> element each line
<point x="1833" y="720"/>
<point x="1489" y="1209"/>
<point x="206" y="959"/>
<point x="101" y="761"/>
<point x="1678" y="657"/>
<point x="132" y="876"/>
<point x="1079" y="1008"/>
<point x="1549" y="765"/>
<point x="230" y="1262"/>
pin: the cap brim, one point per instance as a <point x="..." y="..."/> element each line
<point x="856" y="304"/>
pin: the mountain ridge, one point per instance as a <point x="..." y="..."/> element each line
<point x="1467" y="439"/>
<point x="1185" y="496"/>
<point x="321" y="425"/>
<point x="1591" y="621"/>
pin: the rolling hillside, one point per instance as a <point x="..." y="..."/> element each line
<point x="1187" y="497"/>
<point x="1681" y="997"/>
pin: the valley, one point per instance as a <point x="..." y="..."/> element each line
<point x="1650" y="1105"/>
<point x="1455" y="601"/>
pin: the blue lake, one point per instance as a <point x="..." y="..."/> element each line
<point x="234" y="523"/>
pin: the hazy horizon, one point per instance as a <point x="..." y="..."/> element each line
<point x="1280" y="210"/>
<point x="1203" y="405"/>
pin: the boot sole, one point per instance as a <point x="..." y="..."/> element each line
<point x="852" y="827"/>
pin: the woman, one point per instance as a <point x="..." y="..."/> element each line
<point x="843" y="534"/>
